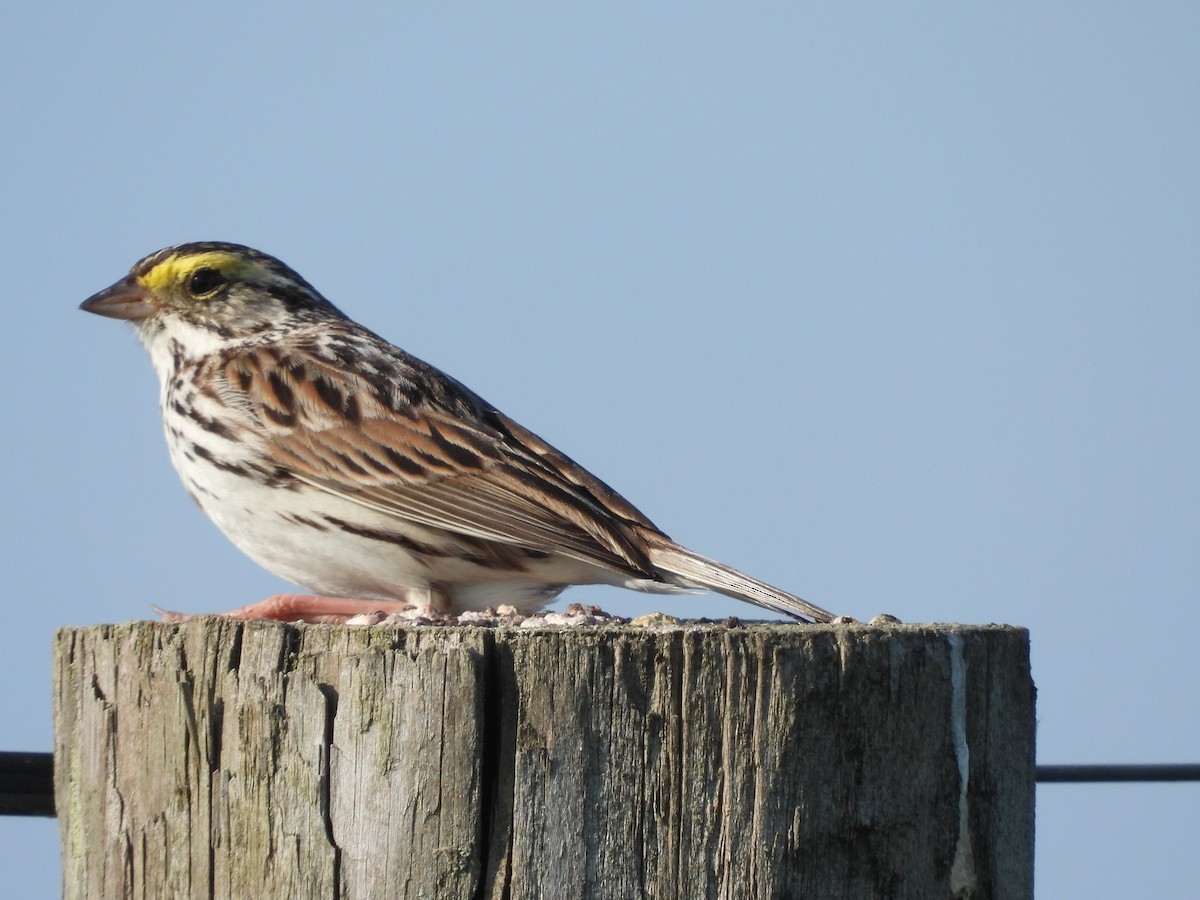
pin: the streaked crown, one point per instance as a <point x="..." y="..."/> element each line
<point x="228" y="290"/>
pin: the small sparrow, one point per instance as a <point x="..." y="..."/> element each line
<point x="343" y="464"/>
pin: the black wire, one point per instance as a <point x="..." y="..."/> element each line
<point x="26" y="784"/>
<point x="1082" y="774"/>
<point x="27" y="779"/>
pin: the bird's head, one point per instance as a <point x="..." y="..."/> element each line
<point x="203" y="296"/>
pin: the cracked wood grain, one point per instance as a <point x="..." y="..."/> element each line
<point x="223" y="759"/>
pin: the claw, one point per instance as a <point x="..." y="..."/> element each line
<point x="304" y="608"/>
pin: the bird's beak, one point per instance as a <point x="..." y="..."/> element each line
<point x="127" y="299"/>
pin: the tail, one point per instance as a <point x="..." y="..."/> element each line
<point x="699" y="571"/>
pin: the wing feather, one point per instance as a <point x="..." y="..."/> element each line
<point x="449" y="461"/>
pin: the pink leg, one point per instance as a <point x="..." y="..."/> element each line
<point x="308" y="608"/>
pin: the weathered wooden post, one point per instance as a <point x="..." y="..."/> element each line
<point x="218" y="758"/>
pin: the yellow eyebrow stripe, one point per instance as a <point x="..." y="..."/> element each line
<point x="173" y="270"/>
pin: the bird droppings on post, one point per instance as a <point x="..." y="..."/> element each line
<point x="963" y="879"/>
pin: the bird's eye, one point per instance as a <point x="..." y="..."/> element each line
<point x="204" y="281"/>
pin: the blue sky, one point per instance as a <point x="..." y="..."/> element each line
<point x="892" y="305"/>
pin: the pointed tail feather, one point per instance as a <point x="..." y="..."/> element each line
<point x="699" y="571"/>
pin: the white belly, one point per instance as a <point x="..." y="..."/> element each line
<point x="332" y="546"/>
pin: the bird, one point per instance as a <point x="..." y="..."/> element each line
<point x="351" y="468"/>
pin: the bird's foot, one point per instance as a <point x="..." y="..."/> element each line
<point x="318" y="609"/>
